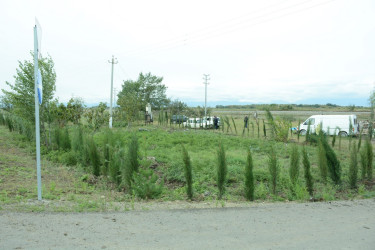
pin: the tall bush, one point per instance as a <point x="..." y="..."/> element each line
<point x="294" y="165"/>
<point x="333" y="163"/>
<point x="370" y="158"/>
<point x="307" y="174"/>
<point x="323" y="168"/>
<point x="221" y="170"/>
<point x="94" y="156"/>
<point x="188" y="173"/>
<point x="273" y="169"/>
<point x="132" y="163"/>
<point x="249" y="177"/>
<point x="353" y="167"/>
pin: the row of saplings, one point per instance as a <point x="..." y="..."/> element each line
<point x="329" y="165"/>
<point x="121" y="163"/>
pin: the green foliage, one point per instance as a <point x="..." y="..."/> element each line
<point x="279" y="128"/>
<point x="93" y="156"/>
<point x="249" y="177"/>
<point x="370" y="157"/>
<point x="97" y="116"/>
<point x="188" y="173"/>
<point x="116" y="165"/>
<point x="363" y="156"/>
<point x="353" y="168"/>
<point x="75" y="110"/>
<point x="131" y="163"/>
<point x="308" y="177"/>
<point x="145" y="184"/>
<point x="135" y="95"/>
<point x="234" y="125"/>
<point x="273" y="168"/>
<point x="264" y="129"/>
<point x="333" y="163"/>
<point x="294" y="165"/>
<point x="323" y="167"/>
<point x="21" y="97"/>
<point x="77" y="139"/>
<point x="221" y="170"/>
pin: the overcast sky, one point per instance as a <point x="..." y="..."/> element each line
<point x="274" y="51"/>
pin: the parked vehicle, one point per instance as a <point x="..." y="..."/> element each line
<point x="193" y="123"/>
<point x="331" y="124"/>
<point x="179" y="119"/>
<point x="205" y="122"/>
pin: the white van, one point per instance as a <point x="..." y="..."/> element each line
<point x="330" y="125"/>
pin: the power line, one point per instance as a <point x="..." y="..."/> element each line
<point x="231" y="28"/>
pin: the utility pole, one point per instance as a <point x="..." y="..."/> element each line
<point x="110" y="107"/>
<point x="206" y="79"/>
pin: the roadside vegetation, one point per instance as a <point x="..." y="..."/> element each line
<point x="89" y="167"/>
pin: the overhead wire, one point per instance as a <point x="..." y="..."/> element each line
<point x="231" y="28"/>
<point x="197" y="32"/>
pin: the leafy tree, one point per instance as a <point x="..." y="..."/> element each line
<point x="135" y="95"/>
<point x="21" y="97"/>
<point x="177" y="107"/>
<point x="75" y="109"/>
<point x="97" y="116"/>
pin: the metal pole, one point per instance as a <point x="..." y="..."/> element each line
<point x="37" y="126"/>
<point x="205" y="98"/>
<point x="110" y="106"/>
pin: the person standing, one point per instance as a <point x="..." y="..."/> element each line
<point x="245" y="120"/>
<point x="216" y="121"/>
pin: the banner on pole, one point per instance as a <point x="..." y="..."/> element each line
<point x="40" y="86"/>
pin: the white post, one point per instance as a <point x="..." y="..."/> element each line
<point x="110" y="106"/>
<point x="37" y="126"/>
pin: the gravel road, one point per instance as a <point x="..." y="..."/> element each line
<point x="322" y="225"/>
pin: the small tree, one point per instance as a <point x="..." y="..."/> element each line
<point x="221" y="170"/>
<point x="370" y="157"/>
<point x="249" y="177"/>
<point x="131" y="164"/>
<point x="323" y="168"/>
<point x="188" y="173"/>
<point x="308" y="176"/>
<point x="353" y="168"/>
<point x="294" y="165"/>
<point x="273" y="169"/>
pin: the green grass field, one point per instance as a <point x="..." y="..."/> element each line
<point x="74" y="188"/>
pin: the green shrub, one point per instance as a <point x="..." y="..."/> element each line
<point x="94" y="156"/>
<point x="323" y="168"/>
<point x="333" y="163"/>
<point x="65" y="140"/>
<point x="307" y="174"/>
<point x="69" y="158"/>
<point x="188" y="173"/>
<point x="145" y="184"/>
<point x="363" y="159"/>
<point x="273" y="169"/>
<point x="77" y="140"/>
<point x="131" y="164"/>
<point x="370" y="157"/>
<point x="221" y="170"/>
<point x="116" y="165"/>
<point x="294" y="165"/>
<point x="353" y="168"/>
<point x="249" y="177"/>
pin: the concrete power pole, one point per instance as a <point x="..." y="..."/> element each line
<point x="110" y="107"/>
<point x="206" y="79"/>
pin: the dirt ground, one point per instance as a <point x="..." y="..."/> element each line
<point x="321" y="225"/>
